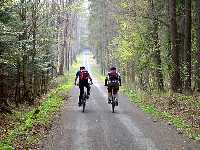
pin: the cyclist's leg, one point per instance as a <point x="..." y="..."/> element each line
<point x="88" y="89"/>
<point x="115" y="92"/>
<point x="109" y="94"/>
<point x="81" y="86"/>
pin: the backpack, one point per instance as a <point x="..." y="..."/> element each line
<point x="113" y="76"/>
<point x="113" y="79"/>
<point x="84" y="75"/>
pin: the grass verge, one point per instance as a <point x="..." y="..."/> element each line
<point x="30" y="126"/>
<point x="182" y="126"/>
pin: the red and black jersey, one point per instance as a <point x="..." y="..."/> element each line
<point x="83" y="75"/>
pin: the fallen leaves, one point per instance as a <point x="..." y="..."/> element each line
<point x="186" y="107"/>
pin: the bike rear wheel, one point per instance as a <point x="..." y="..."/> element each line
<point x="84" y="102"/>
<point x="83" y="106"/>
<point x="113" y="104"/>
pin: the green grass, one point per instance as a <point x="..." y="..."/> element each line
<point x="177" y="122"/>
<point x="52" y="104"/>
<point x="47" y="109"/>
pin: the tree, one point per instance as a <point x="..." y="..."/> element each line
<point x="187" y="44"/>
<point x="157" y="57"/>
<point x="197" y="4"/>
<point x="28" y="41"/>
<point x="175" y="79"/>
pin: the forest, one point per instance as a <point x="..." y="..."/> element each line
<point x="155" y="45"/>
<point x="39" y="38"/>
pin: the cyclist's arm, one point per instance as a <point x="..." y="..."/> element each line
<point x="120" y="81"/>
<point x="106" y="80"/>
<point x="90" y="78"/>
<point x="77" y="74"/>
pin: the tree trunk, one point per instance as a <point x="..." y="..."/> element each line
<point x="197" y="2"/>
<point x="175" y="78"/>
<point x="159" y="75"/>
<point x="18" y="87"/>
<point x="187" y="44"/>
<point x="60" y="42"/>
<point x="23" y="38"/>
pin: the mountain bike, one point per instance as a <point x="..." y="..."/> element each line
<point x="112" y="85"/>
<point x="84" y="99"/>
<point x="114" y="102"/>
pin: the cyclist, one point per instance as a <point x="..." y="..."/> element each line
<point x="113" y="81"/>
<point x="83" y="76"/>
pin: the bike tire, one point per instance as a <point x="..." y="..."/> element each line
<point x="84" y="102"/>
<point x="84" y="106"/>
<point x="113" y="105"/>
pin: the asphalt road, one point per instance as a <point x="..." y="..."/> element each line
<point x="100" y="129"/>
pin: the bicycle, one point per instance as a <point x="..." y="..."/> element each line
<point x="114" y="100"/>
<point x="84" y="99"/>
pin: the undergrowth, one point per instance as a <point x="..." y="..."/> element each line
<point x="23" y="135"/>
<point x="181" y="124"/>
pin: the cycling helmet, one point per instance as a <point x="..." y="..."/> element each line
<point x="82" y="67"/>
<point x="113" y="68"/>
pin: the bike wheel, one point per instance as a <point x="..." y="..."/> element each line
<point x="113" y="105"/>
<point x="83" y="106"/>
<point x="84" y="102"/>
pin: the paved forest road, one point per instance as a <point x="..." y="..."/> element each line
<point x="100" y="129"/>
